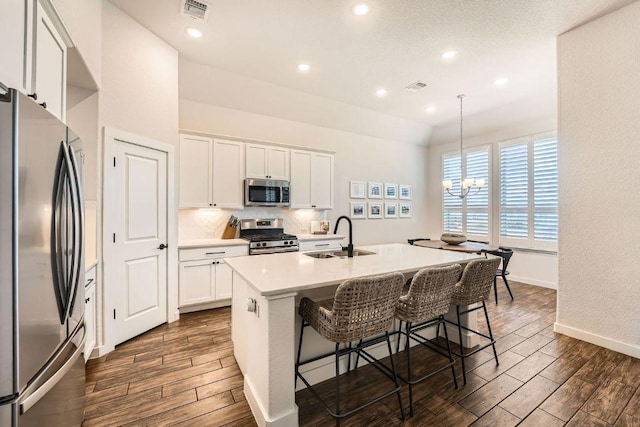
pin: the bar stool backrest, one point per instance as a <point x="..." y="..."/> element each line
<point x="364" y="307"/>
<point x="504" y="253"/>
<point x="429" y="294"/>
<point x="476" y="281"/>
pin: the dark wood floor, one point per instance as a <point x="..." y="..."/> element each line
<point x="185" y="374"/>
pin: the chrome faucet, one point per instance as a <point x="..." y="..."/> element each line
<point x="349" y="247"/>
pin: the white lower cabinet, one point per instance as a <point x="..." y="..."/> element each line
<point x="209" y="279"/>
<point x="90" y="313"/>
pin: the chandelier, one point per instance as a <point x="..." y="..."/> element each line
<point x="466" y="184"/>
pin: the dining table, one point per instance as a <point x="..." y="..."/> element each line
<point x="467" y="247"/>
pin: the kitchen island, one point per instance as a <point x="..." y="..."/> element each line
<point x="266" y="292"/>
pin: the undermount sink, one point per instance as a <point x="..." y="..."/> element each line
<point x="337" y="254"/>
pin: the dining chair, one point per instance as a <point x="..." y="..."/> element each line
<point x="361" y="310"/>
<point x="505" y="254"/>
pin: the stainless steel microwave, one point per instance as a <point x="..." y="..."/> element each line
<point x="266" y="192"/>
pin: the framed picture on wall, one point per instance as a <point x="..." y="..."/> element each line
<point x="405" y="210"/>
<point x="375" y="190"/>
<point x="405" y="192"/>
<point x="358" y="210"/>
<point x="358" y="189"/>
<point x="375" y="210"/>
<point x="391" y="210"/>
<point x="391" y="191"/>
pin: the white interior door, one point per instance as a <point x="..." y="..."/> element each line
<point x="139" y="270"/>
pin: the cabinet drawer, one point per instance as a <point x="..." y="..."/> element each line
<point x="90" y="277"/>
<point x="212" y="252"/>
<point x="316" y="245"/>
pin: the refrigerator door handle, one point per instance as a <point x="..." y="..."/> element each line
<point x="57" y="249"/>
<point x="41" y="391"/>
<point x="78" y="227"/>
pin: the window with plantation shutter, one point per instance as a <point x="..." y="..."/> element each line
<point x="529" y="193"/>
<point x="470" y="215"/>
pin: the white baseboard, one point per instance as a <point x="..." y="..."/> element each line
<point x="611" y="344"/>
<point x="530" y="281"/>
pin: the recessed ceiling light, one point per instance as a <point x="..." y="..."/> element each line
<point x="194" y="32"/>
<point x="381" y="92"/>
<point x="430" y="109"/>
<point x="501" y="81"/>
<point x="449" y="54"/>
<point x="361" y="9"/>
<point x="303" y="67"/>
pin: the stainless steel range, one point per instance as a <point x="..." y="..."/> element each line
<point x="266" y="236"/>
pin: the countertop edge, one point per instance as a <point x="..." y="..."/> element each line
<point x="208" y="243"/>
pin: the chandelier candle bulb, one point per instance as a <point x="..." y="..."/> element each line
<point x="467" y="183"/>
<point x="447" y="184"/>
<point x="479" y="183"/>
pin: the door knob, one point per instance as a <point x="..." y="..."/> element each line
<point x="162" y="246"/>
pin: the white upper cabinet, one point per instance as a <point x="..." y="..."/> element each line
<point x="228" y="174"/>
<point x="264" y="161"/>
<point x="196" y="172"/>
<point x="34" y="54"/>
<point x="12" y="35"/>
<point x="211" y="173"/>
<point x="311" y="180"/>
<point x="50" y="66"/>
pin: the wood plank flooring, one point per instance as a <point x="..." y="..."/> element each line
<point x="184" y="374"/>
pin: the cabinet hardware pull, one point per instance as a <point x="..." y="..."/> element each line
<point x="44" y="105"/>
<point x="33" y="96"/>
<point x="321" y="244"/>
<point x="215" y="253"/>
<point x="89" y="282"/>
<point x="86" y="300"/>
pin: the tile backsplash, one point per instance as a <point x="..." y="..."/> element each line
<point x="210" y="223"/>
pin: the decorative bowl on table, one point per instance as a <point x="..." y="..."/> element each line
<point x="453" y="238"/>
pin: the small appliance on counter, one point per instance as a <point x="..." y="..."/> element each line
<point x="266" y="236"/>
<point x="319" y="227"/>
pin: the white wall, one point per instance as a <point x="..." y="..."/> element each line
<point x="528" y="267"/>
<point x="358" y="157"/>
<point x="598" y="292"/>
<point x="139" y="87"/>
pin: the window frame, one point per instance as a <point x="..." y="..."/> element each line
<point x="488" y="187"/>
<point x="530" y="242"/>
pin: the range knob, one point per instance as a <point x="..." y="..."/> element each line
<point x="286" y="243"/>
<point x="264" y="244"/>
<point x="291" y="242"/>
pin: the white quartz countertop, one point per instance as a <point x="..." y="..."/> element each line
<point x="307" y="237"/>
<point x="294" y="271"/>
<point x="207" y="243"/>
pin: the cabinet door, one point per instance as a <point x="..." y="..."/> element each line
<point x="278" y="163"/>
<point x="300" y="179"/>
<point x="322" y="181"/>
<point x="256" y="161"/>
<point x="196" y="177"/>
<point x="223" y="280"/>
<point x="50" y="68"/>
<point x="90" y="310"/>
<point x="228" y="174"/>
<point x="197" y="282"/>
<point x="12" y="33"/>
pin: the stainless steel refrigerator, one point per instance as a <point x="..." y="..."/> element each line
<point x="41" y="268"/>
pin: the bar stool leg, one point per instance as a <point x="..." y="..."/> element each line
<point x="399" y="336"/>
<point x="464" y="373"/>
<point x="395" y="376"/>
<point x="504" y="278"/>
<point x="495" y="287"/>
<point x="493" y="343"/>
<point x="337" y="383"/>
<point x="407" y="350"/>
<point x="446" y="336"/>
<point x="302" y="325"/>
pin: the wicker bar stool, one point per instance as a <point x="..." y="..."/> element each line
<point x="423" y="304"/>
<point x="474" y="287"/>
<point x="361" y="309"/>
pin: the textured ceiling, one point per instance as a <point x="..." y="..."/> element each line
<point x="397" y="43"/>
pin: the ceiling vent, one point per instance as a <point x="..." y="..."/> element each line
<point x="416" y="87"/>
<point x="196" y="10"/>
